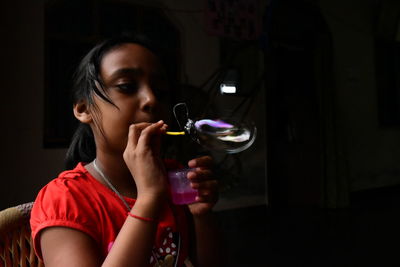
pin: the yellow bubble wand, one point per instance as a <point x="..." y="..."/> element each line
<point x="175" y="133"/>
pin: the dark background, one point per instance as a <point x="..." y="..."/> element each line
<point x="320" y="187"/>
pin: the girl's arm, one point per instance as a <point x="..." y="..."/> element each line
<point x="135" y="240"/>
<point x="62" y="246"/>
<point x="208" y="248"/>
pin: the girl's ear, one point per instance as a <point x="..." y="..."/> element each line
<point x="82" y="112"/>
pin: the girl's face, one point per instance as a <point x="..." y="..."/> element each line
<point x="135" y="82"/>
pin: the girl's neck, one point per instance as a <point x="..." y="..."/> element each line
<point x="116" y="171"/>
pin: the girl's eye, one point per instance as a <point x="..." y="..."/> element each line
<point x="127" y="88"/>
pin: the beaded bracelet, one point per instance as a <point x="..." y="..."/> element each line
<point x="140" y="218"/>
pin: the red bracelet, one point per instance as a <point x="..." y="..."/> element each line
<point x="141" y="218"/>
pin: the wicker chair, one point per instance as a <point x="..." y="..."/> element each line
<point x="16" y="248"/>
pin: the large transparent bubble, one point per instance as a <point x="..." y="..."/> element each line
<point x="225" y="135"/>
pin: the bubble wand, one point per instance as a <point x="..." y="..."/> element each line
<point x="175" y="133"/>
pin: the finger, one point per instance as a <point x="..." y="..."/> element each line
<point x="153" y="129"/>
<point x="209" y="196"/>
<point x="206" y="199"/>
<point x="204" y="161"/>
<point x="200" y="174"/>
<point x="134" y="133"/>
<point x="205" y="185"/>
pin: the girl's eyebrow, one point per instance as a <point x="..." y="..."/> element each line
<point x="125" y="71"/>
<point x="133" y="72"/>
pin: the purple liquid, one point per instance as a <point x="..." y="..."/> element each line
<point x="181" y="198"/>
<point x="182" y="192"/>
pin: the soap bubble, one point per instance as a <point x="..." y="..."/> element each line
<point x="227" y="135"/>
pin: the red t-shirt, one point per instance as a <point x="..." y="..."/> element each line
<point x="77" y="200"/>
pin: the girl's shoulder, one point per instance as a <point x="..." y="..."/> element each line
<point x="75" y="184"/>
<point x="68" y="201"/>
<point x="78" y="171"/>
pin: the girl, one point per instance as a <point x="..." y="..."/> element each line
<point x="113" y="208"/>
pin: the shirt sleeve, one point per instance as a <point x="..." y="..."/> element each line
<point x="64" y="203"/>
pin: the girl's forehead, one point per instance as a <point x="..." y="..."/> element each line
<point x="129" y="56"/>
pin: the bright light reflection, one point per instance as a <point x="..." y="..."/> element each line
<point x="227" y="89"/>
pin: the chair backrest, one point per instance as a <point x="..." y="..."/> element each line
<point x="16" y="247"/>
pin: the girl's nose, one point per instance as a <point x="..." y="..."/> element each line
<point x="148" y="100"/>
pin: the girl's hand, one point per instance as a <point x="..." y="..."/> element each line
<point x="142" y="156"/>
<point x="207" y="186"/>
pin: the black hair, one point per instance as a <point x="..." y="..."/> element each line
<point x="87" y="82"/>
